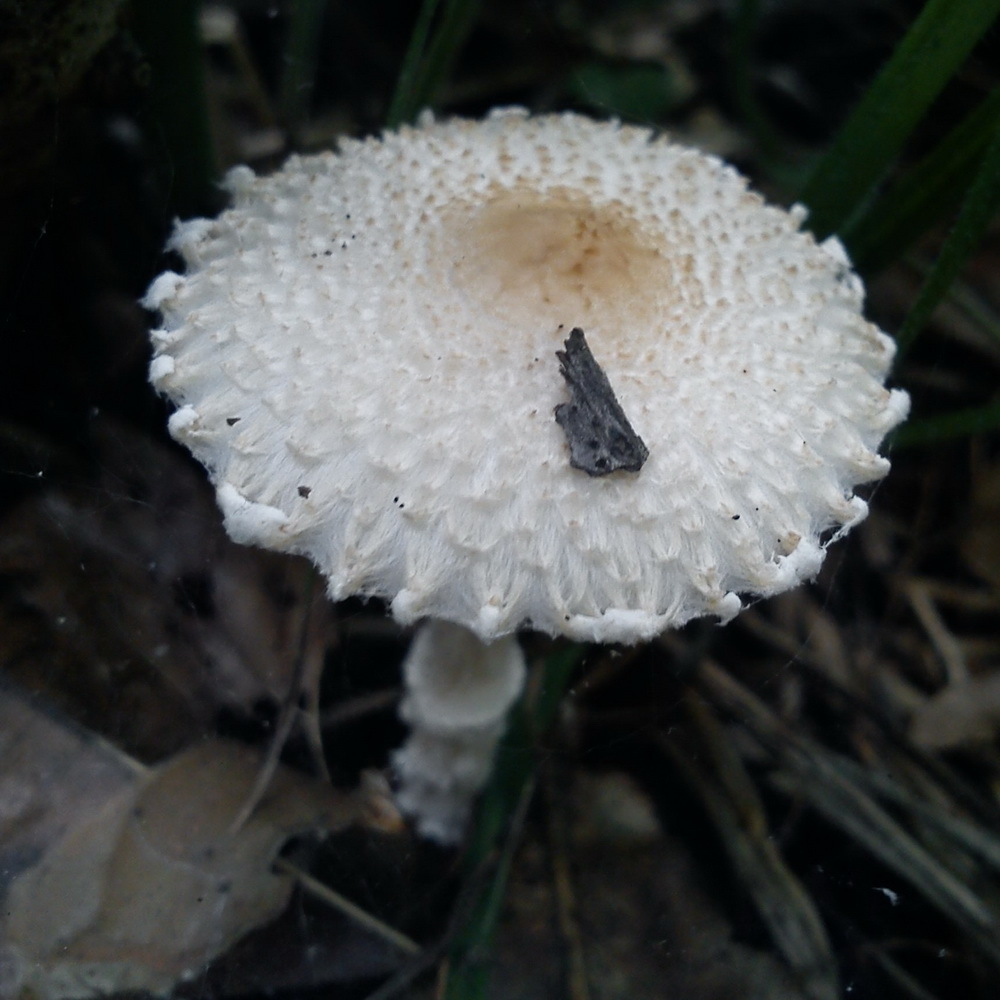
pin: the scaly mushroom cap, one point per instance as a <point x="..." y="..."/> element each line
<point x="363" y="354"/>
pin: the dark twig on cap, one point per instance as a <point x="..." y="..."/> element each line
<point x="601" y="439"/>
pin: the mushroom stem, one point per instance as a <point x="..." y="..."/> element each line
<point x="458" y="692"/>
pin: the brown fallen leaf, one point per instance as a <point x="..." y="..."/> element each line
<point x="50" y="770"/>
<point x="125" y="604"/>
<point x="145" y="890"/>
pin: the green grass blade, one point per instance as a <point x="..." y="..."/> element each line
<point x="429" y="57"/>
<point x="934" y="47"/>
<point x="978" y="209"/>
<point x="920" y="199"/>
<point x="559" y="668"/>
<point x="508" y="793"/>
<point x="400" y="110"/>
<point x="746" y="18"/>
<point x="456" y="23"/>
<point x="301" y="55"/>
<point x="178" y="106"/>
<point x="636" y="92"/>
<point x="962" y="423"/>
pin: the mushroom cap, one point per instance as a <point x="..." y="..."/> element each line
<point x="362" y="353"/>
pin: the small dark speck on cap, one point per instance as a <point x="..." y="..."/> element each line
<point x="304" y="491"/>
<point x="736" y="517"/>
<point x="232" y="420"/>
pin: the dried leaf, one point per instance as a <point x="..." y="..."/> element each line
<point x="52" y="774"/>
<point x="127" y="606"/>
<point x="959" y="714"/>
<point x="146" y="889"/>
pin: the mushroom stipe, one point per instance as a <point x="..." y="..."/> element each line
<point x="601" y="439"/>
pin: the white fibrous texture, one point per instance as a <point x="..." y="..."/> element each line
<point x="458" y="693"/>
<point x="362" y="352"/>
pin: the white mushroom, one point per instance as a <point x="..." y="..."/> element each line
<point x="363" y="354"/>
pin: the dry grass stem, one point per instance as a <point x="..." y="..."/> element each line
<point x="332" y="898"/>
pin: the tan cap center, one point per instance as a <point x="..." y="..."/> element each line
<point x="534" y="259"/>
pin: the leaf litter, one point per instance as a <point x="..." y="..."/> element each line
<point x="145" y="881"/>
<point x="850" y="750"/>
